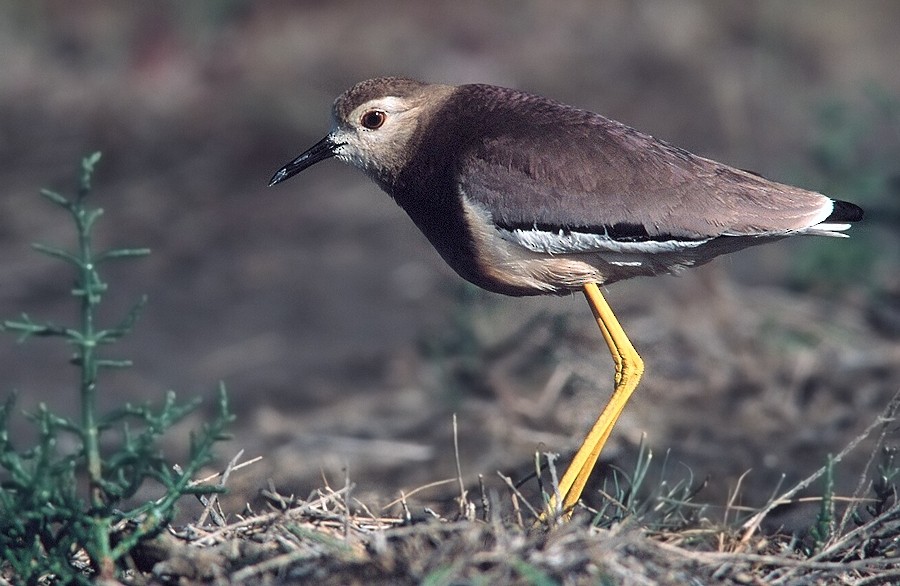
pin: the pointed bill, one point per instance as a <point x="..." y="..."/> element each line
<point x="324" y="149"/>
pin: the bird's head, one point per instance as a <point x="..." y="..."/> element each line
<point x="374" y="125"/>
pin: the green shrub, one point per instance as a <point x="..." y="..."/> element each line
<point x="50" y="530"/>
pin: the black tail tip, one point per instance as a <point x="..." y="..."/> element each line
<point x="844" y="211"/>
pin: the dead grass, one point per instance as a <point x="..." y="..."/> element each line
<point x="331" y="537"/>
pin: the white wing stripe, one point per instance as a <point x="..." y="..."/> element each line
<point x="575" y="242"/>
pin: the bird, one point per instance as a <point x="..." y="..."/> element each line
<point x="524" y="195"/>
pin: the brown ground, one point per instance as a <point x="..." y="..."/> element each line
<point x="343" y="339"/>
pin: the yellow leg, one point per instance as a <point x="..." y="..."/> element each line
<point x="629" y="368"/>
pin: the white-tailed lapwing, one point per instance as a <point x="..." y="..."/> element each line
<point x="523" y="195"/>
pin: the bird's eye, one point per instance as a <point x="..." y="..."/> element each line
<point x="373" y="119"/>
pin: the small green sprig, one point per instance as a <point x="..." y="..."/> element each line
<point x="44" y="518"/>
<point x="824" y="528"/>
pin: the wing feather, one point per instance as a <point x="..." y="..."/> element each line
<point x="586" y="173"/>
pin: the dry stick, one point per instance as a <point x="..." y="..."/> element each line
<point x="886" y="577"/>
<point x="430" y="528"/>
<point x="463" y="500"/>
<point x="749" y="509"/>
<point x="417" y="490"/>
<point x="347" y="488"/>
<point x="753" y="523"/>
<point x="232" y="466"/>
<point x="730" y="506"/>
<point x="272" y="564"/>
<point x="554" y="481"/>
<point x="612" y="499"/>
<point x="217" y="474"/>
<point x="539" y="476"/>
<point x="718" y="558"/>
<point x="275" y="498"/>
<point x="218" y="518"/>
<point x="306" y="508"/>
<point x="204" y="500"/>
<point x="485" y="502"/>
<point x="365" y="509"/>
<point x="517" y="510"/>
<point x="407" y="515"/>
<point x="516" y="492"/>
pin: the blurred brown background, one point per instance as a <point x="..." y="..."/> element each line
<point x="342" y="337"/>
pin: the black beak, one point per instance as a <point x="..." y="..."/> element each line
<point x="320" y="151"/>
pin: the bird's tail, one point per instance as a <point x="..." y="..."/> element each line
<point x="842" y="215"/>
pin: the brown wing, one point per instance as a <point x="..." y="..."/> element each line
<point x="538" y="162"/>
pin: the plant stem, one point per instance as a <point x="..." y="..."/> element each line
<point x="89" y="288"/>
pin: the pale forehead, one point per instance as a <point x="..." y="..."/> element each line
<point x="379" y="88"/>
<point x="386" y="103"/>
